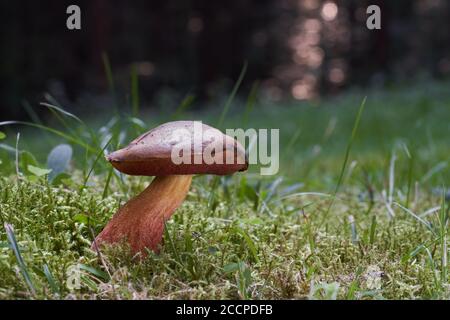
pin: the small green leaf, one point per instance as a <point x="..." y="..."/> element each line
<point x="98" y="273"/>
<point x="2" y="135"/>
<point x="62" y="178"/>
<point x="89" y="282"/>
<point x="231" y="267"/>
<point x="58" y="160"/>
<point x="39" y="172"/>
<point x="81" y="218"/>
<point x="26" y="159"/>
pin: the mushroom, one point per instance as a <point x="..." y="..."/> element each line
<point x="157" y="153"/>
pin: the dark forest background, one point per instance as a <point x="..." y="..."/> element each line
<point x="295" y="49"/>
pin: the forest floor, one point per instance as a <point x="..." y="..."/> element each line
<point x="349" y="216"/>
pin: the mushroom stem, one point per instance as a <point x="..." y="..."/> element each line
<point x="141" y="220"/>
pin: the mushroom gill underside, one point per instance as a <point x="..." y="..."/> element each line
<point x="140" y="222"/>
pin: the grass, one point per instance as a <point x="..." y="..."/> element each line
<point x="246" y="236"/>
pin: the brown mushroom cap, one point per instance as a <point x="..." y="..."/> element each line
<point x="150" y="154"/>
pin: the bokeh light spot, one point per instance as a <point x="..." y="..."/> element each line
<point x="329" y="11"/>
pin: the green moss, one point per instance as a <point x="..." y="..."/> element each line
<point x="230" y="239"/>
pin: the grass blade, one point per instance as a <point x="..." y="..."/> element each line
<point x="110" y="79"/>
<point x="373" y="228"/>
<point x="226" y="107"/>
<point x="410" y="181"/>
<point x="250" y="244"/>
<point x="108" y="71"/>
<point x="172" y="244"/>
<point x="251" y="100"/>
<point x="100" y="153"/>
<point x="15" y="247"/>
<point x="134" y="91"/>
<point x="186" y="103"/>
<point x="443" y="230"/>
<point x="98" y="273"/>
<point x="347" y="153"/>
<point x="60" y="110"/>
<point x="29" y="110"/>
<point x="54" y="131"/>
<point x="422" y="221"/>
<point x="51" y="280"/>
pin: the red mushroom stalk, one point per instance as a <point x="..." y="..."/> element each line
<point x="141" y="220"/>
